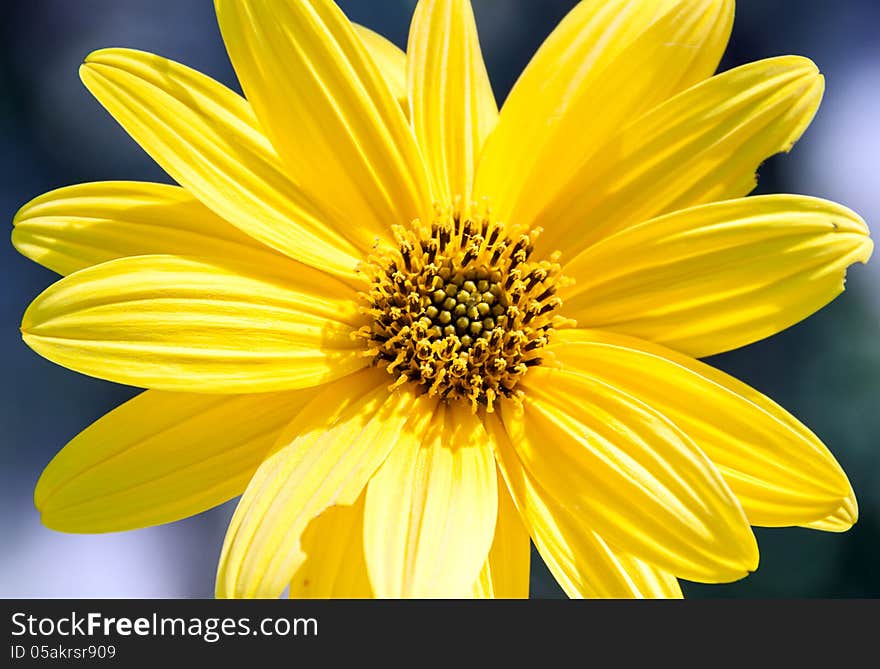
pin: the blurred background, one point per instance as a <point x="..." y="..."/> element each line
<point x="825" y="370"/>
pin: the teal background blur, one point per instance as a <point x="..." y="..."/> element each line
<point x="826" y="370"/>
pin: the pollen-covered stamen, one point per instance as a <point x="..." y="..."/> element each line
<point x="461" y="307"/>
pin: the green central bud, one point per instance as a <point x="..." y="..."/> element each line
<point x="468" y="304"/>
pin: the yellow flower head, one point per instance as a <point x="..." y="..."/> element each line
<point x="416" y="332"/>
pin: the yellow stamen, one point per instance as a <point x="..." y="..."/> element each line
<point x="460" y="307"/>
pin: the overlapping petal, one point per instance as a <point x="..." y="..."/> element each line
<point x="605" y="64"/>
<point x="389" y="59"/>
<point x="779" y="470"/>
<point x="334" y="566"/>
<point x="431" y="510"/>
<point x="180" y="324"/>
<point x="452" y="107"/>
<point x="712" y="278"/>
<point x="632" y="476"/>
<point x="79" y="226"/>
<point x="703" y="145"/>
<point x="161" y="457"/>
<point x="505" y="575"/>
<point x="581" y="561"/>
<point x="323" y="458"/>
<point x="328" y="111"/>
<point x="207" y="138"/>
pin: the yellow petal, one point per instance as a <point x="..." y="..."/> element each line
<point x="843" y="518"/>
<point x="324" y="458"/>
<point x="390" y="61"/>
<point x="638" y="481"/>
<point x="326" y="108"/>
<point x="207" y="138"/>
<point x="701" y="146"/>
<point x="779" y="470"/>
<point x="161" y="457"/>
<point x="605" y="64"/>
<point x="452" y="106"/>
<point x="335" y="567"/>
<point x="179" y="324"/>
<point x="716" y="277"/>
<point x="505" y="574"/>
<point x="583" y="564"/>
<point x="79" y="226"/>
<point x="431" y="510"/>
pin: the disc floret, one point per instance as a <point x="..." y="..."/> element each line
<point x="460" y="307"/>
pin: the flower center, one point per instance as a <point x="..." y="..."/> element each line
<point x="461" y="308"/>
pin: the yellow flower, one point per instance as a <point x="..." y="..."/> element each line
<point x="416" y="332"/>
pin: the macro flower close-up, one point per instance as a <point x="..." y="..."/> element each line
<point x="418" y="331"/>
